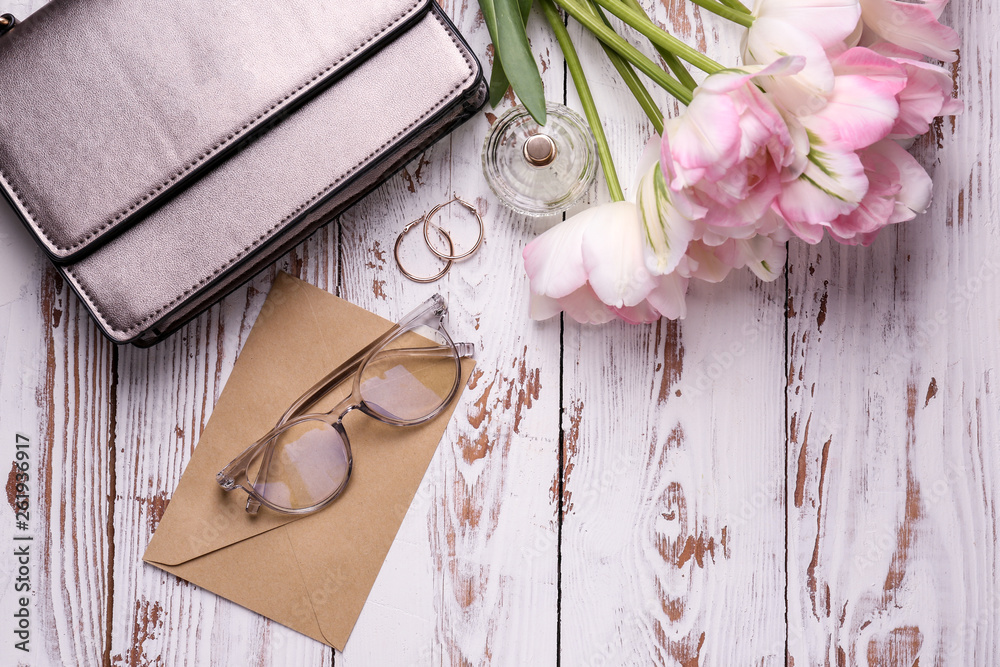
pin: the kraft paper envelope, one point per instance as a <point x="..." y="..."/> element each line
<point x="309" y="573"/>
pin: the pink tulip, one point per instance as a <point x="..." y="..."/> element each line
<point x="591" y="266"/>
<point x="899" y="189"/>
<point x="861" y="110"/>
<point x="802" y="140"/>
<point x="724" y="156"/>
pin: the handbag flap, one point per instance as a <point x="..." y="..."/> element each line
<point x="240" y="216"/>
<point x="108" y="108"/>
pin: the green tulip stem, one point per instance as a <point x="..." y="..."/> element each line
<point x="586" y="98"/>
<point x="672" y="61"/>
<point x="657" y="35"/>
<point x="737" y="5"/>
<point x="726" y="12"/>
<point x="608" y="36"/>
<point x="631" y="79"/>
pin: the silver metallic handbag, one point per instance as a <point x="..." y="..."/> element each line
<point x="162" y="153"/>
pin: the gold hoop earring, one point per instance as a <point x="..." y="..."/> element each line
<point x="451" y="257"/>
<point x="418" y="279"/>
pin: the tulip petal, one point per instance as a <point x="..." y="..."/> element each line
<point x="878" y="204"/>
<point x="832" y="184"/>
<point x="926" y="96"/>
<point x="667" y="231"/>
<point x="800" y="148"/>
<point x="541" y="307"/>
<point x="858" y="115"/>
<point x="912" y="26"/>
<point x="804" y="92"/>
<point x="641" y="313"/>
<point x="749" y="208"/>
<point x="809" y="232"/>
<point x="554" y="260"/>
<point x="774" y="227"/>
<point x="916" y="185"/>
<point x="861" y="61"/>
<point x="650" y="157"/>
<point x="730" y="79"/>
<point x="705" y="138"/>
<point x="709" y="262"/>
<point x="584" y="307"/>
<point x="829" y="21"/>
<point x="667" y="297"/>
<point x="862" y="108"/>
<point x="763" y="256"/>
<point x="613" y="256"/>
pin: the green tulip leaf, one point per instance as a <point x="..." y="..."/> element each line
<point x="499" y="84"/>
<point x="518" y="62"/>
<point x="490" y="16"/>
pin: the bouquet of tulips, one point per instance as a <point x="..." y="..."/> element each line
<point x="808" y="136"/>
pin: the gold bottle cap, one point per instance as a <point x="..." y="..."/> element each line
<point x="539" y="150"/>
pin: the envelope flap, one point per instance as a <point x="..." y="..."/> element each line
<point x="108" y="108"/>
<point x="259" y="574"/>
<point x="301" y="333"/>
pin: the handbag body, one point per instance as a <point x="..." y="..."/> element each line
<point x="162" y="153"/>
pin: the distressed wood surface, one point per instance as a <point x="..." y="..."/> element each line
<point x="892" y="377"/>
<point x="800" y="472"/>
<point x="673" y="458"/>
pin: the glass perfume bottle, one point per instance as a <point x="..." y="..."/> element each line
<point x="540" y="170"/>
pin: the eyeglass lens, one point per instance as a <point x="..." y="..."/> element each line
<point x="411" y="377"/>
<point x="304" y="465"/>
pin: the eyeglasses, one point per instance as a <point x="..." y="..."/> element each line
<point x="405" y="377"/>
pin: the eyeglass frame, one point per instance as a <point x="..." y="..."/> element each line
<point x="228" y="477"/>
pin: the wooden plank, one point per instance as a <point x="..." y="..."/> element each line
<point x="893" y="417"/>
<point x="56" y="389"/>
<point x="674" y="502"/>
<point x="76" y="404"/>
<point x="471" y="578"/>
<point x="673" y="479"/>
<point x="165" y="397"/>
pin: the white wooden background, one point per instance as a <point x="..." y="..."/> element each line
<point x="803" y="472"/>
